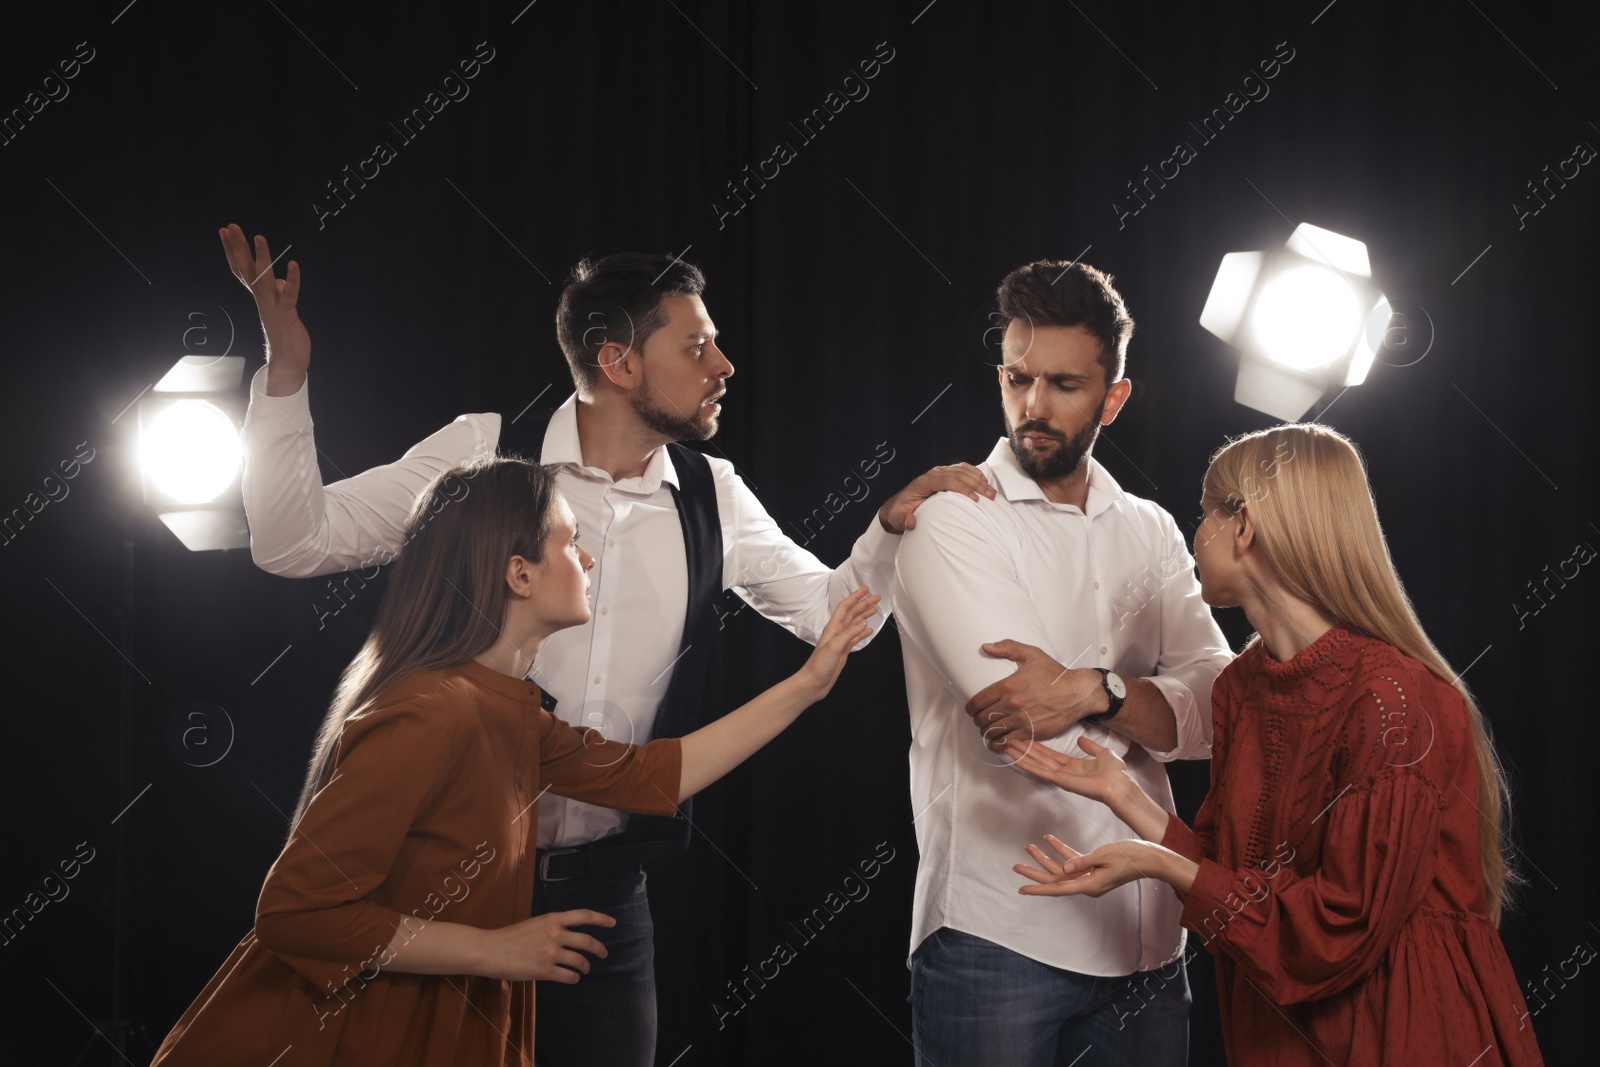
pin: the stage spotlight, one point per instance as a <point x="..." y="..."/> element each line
<point x="189" y="452"/>
<point x="1301" y="316"/>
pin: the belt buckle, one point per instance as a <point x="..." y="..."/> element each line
<point x="544" y="864"/>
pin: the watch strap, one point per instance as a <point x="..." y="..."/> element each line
<point x="1116" y="701"/>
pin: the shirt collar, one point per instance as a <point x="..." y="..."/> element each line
<point x="561" y="446"/>
<point x="1104" y="492"/>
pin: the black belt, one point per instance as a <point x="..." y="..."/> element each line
<point x="598" y="859"/>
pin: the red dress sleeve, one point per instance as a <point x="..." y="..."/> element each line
<point x="1200" y="842"/>
<point x="1182" y="840"/>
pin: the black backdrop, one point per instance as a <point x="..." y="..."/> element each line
<point x="851" y="290"/>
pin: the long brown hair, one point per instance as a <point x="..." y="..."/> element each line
<point x="1317" y="529"/>
<point x="446" y="598"/>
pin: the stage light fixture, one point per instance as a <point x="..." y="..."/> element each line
<point x="190" y="455"/>
<point x="1305" y="318"/>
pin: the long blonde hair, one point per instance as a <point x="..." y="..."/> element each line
<point x="446" y="598"/>
<point x="1317" y="529"/>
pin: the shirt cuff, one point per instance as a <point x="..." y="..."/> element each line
<point x="278" y="414"/>
<point x="879" y="544"/>
<point x="1179" y="697"/>
<point x="485" y="434"/>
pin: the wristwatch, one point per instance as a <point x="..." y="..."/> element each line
<point x="1116" y="689"/>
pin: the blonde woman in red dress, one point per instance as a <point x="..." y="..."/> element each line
<point x="394" y="927"/>
<point x="1347" y="867"/>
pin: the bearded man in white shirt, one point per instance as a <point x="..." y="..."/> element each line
<point x="669" y="529"/>
<point x="1091" y="591"/>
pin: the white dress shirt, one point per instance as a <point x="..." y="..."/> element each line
<point x="610" y="673"/>
<point x="1111" y="586"/>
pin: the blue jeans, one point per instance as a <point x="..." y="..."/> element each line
<point x="976" y="1004"/>
<point x="608" y="1019"/>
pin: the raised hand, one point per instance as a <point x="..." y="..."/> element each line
<point x="288" y="344"/>
<point x="846" y="629"/>
<point x="544" y="948"/>
<point x="899" y="512"/>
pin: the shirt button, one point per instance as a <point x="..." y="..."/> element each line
<point x="605" y="611"/>
<point x="597" y="677"/>
<point x="1102" y="650"/>
<point x="1097" y="585"/>
<point x="611" y="542"/>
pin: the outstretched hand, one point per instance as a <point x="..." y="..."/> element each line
<point x="1091" y="875"/>
<point x="288" y="344"/>
<point x="1097" y="778"/>
<point x="1103" y="777"/>
<point x="846" y="629"/>
<point x="722" y="744"/>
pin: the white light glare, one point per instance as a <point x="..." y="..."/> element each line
<point x="190" y="450"/>
<point x="1373" y="333"/>
<point x="1306" y="318"/>
<point x="1230" y="293"/>
<point x="1344" y="254"/>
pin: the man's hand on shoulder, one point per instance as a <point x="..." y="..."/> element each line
<point x="1042" y="699"/>
<point x="898" y="513"/>
<point x="288" y="344"/>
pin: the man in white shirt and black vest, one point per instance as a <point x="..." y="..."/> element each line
<point x="1091" y="592"/>
<point x="669" y="529"/>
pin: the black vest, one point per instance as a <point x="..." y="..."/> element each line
<point x="682" y="709"/>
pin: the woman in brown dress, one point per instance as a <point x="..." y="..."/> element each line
<point x="393" y="928"/>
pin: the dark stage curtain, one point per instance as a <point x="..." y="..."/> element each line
<point x="853" y="229"/>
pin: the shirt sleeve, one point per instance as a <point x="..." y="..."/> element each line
<point x="1193" y="650"/>
<point x="957" y="589"/>
<point x="785" y="582"/>
<point x="315" y="911"/>
<point x="583" y="765"/>
<point x="1303" y="938"/>
<point x="1201" y="841"/>
<point x="298" y="527"/>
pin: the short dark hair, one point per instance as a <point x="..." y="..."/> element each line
<point x="1055" y="292"/>
<point x="617" y="299"/>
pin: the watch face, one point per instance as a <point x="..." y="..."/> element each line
<point x="1115" y="684"/>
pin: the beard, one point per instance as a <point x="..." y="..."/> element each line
<point x="669" y="421"/>
<point x="1064" y="459"/>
